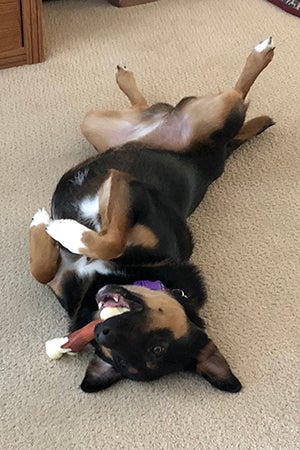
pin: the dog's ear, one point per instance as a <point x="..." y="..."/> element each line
<point x="212" y="366"/>
<point x="99" y="375"/>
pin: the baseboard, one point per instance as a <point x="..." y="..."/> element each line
<point x="124" y="3"/>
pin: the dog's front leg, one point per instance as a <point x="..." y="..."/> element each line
<point x="81" y="240"/>
<point x="44" y="251"/>
<point x="114" y="212"/>
<point x="118" y="228"/>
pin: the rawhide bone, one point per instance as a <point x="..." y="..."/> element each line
<point x="73" y="342"/>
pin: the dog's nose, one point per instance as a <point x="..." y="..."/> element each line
<point x="104" y="335"/>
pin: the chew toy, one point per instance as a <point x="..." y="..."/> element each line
<point x="73" y="342"/>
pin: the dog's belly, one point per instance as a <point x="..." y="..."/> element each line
<point x="172" y="134"/>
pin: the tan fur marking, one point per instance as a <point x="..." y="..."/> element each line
<point x="44" y="254"/>
<point x="106" y="352"/>
<point x="118" y="206"/>
<point x="213" y="112"/>
<point x="150" y="365"/>
<point x="103" y="245"/>
<point x="114" y="211"/>
<point x="55" y="287"/>
<point x="252" y="128"/>
<point x="141" y="235"/>
<point x="104" y="197"/>
<point x="65" y="268"/>
<point x="132" y="370"/>
<point x="56" y="284"/>
<point x="172" y="317"/>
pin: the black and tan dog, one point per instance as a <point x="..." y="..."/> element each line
<point x="118" y="244"/>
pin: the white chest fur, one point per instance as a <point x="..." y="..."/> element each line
<point x="89" y="209"/>
<point x="81" y="266"/>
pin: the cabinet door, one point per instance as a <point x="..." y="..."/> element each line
<point x="20" y="32"/>
<point x="10" y="25"/>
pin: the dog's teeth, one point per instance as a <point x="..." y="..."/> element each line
<point x="116" y="299"/>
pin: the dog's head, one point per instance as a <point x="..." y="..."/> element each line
<point x="149" y="333"/>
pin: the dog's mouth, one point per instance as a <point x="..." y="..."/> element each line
<point x="113" y="303"/>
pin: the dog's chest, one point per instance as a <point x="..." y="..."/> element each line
<point x="81" y="266"/>
<point x="88" y="210"/>
<point x="84" y="267"/>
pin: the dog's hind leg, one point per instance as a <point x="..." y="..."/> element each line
<point x="210" y="114"/>
<point x="250" y="129"/>
<point x="118" y="229"/>
<point x="105" y="129"/>
<point x="126" y="82"/>
<point x="44" y="251"/>
<point x="256" y="62"/>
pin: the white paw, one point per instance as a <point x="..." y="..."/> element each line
<point x="41" y="216"/>
<point x="267" y="43"/>
<point x="54" y="350"/>
<point x="68" y="233"/>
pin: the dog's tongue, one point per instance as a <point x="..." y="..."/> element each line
<point x="112" y="303"/>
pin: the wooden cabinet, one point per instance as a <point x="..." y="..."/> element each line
<point x="21" y="38"/>
<point x="21" y="33"/>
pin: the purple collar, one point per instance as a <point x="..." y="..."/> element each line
<point x="153" y="285"/>
<point x="158" y="286"/>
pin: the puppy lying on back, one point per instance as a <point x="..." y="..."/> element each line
<point x="118" y="244"/>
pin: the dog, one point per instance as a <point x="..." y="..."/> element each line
<point x="118" y="244"/>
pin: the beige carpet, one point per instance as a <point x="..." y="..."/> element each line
<point x="246" y="231"/>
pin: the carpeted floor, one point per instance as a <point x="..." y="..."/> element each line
<point x="246" y="231"/>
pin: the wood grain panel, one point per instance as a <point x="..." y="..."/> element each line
<point x="21" y="25"/>
<point x="10" y="25"/>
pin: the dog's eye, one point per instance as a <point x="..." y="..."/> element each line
<point x="179" y="293"/>
<point x="157" y="350"/>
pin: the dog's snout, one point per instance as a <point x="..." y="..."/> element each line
<point x="105" y="335"/>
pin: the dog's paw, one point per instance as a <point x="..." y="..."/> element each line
<point x="68" y="233"/>
<point x="262" y="54"/>
<point x="125" y="78"/>
<point x="120" y="68"/>
<point x="267" y="44"/>
<point x="40" y="217"/>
